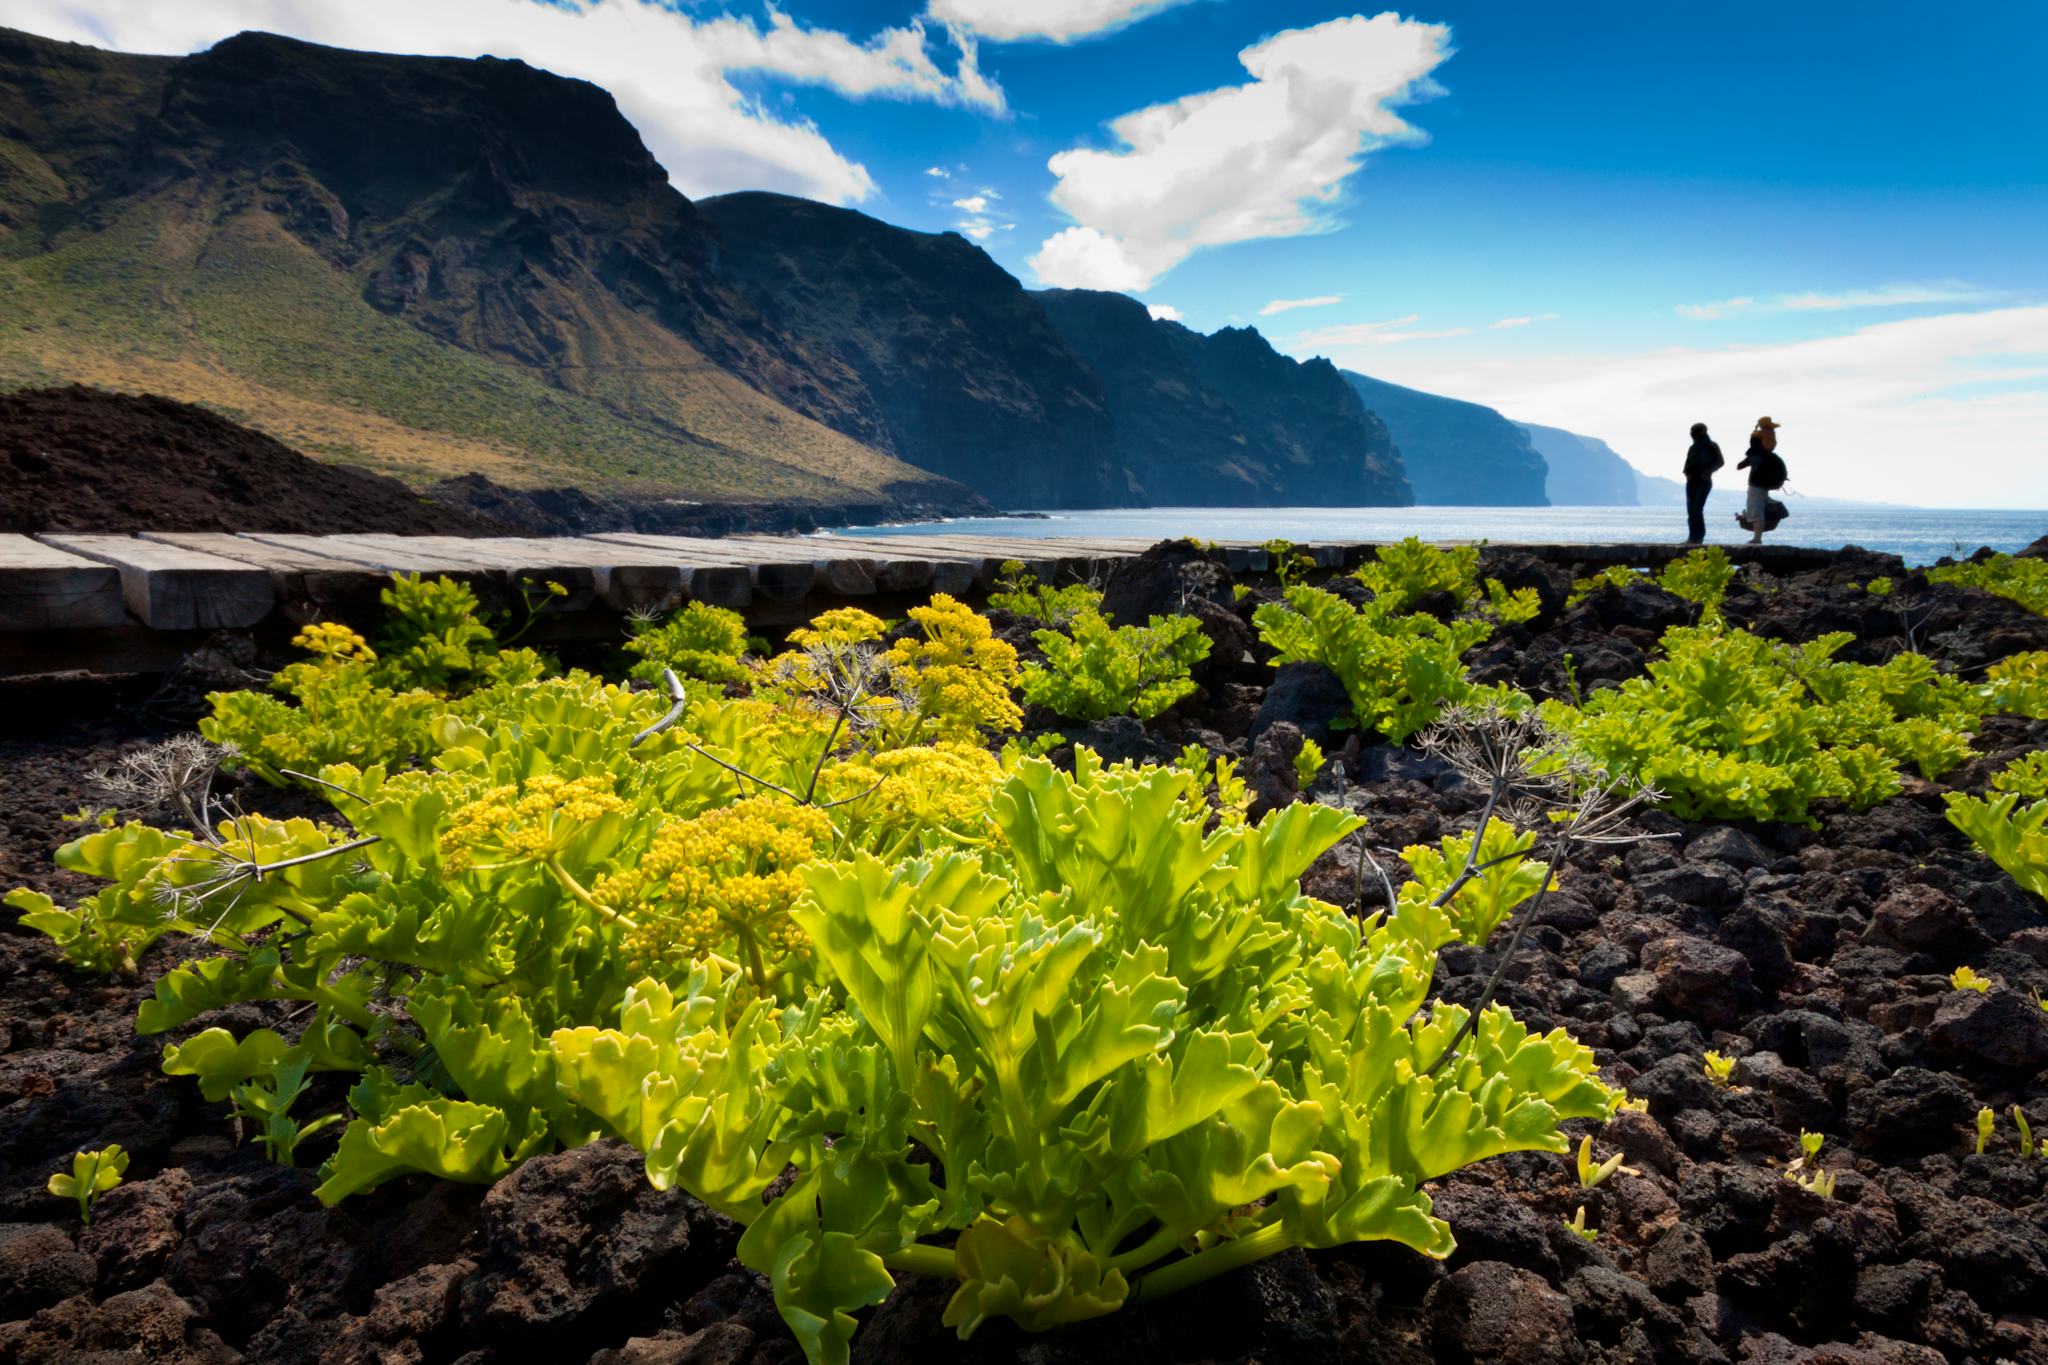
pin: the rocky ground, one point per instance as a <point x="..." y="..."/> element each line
<point x="1818" y="957"/>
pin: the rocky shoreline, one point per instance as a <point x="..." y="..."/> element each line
<point x="1817" y="958"/>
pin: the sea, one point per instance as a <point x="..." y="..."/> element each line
<point x="1918" y="535"/>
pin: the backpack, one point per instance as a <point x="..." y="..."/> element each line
<point x="1770" y="471"/>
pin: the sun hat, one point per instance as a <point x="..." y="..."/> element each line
<point x="1767" y="422"/>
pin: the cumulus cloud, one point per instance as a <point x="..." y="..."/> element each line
<point x="1387" y="333"/>
<point x="1059" y="21"/>
<point x="1163" y="312"/>
<point x="1886" y="296"/>
<point x="1289" y="305"/>
<point x="973" y="203"/>
<point x="669" y="71"/>
<point x="1945" y="410"/>
<point x="938" y="172"/>
<point x="1268" y="158"/>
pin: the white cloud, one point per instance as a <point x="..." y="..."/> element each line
<point x="1265" y="159"/>
<point x="1373" y="334"/>
<point x="668" y="70"/>
<point x="1886" y="296"/>
<point x="1506" y="323"/>
<point x="1289" y="305"/>
<point x="938" y="172"/>
<point x="1163" y="312"/>
<point x="1060" y="21"/>
<point x="1946" y="410"/>
<point x="973" y="203"/>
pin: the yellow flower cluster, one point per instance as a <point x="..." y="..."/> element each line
<point x="722" y="882"/>
<point x="333" y="640"/>
<point x="534" y="819"/>
<point x="963" y="675"/>
<point x="921" y="796"/>
<point x="842" y="626"/>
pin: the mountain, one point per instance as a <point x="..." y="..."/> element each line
<point x="1458" y="454"/>
<point x="1224" y="419"/>
<point x="1584" y="470"/>
<point x="955" y="368"/>
<point x="421" y="266"/>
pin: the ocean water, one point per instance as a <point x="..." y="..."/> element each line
<point x="1917" y="535"/>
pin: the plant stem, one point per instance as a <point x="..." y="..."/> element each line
<point x="575" y="888"/>
<point x="1146" y="1252"/>
<point x="1269" y="1240"/>
<point x="921" y="1259"/>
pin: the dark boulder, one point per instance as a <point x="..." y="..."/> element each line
<point x="1912" y="1110"/>
<point x="1307" y="696"/>
<point x="1491" y="1313"/>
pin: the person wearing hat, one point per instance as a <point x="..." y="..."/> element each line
<point x="1701" y="460"/>
<point x="1766" y="476"/>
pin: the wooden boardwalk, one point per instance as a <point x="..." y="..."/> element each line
<point x="75" y="600"/>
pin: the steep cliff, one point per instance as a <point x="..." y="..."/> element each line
<point x="1458" y="454"/>
<point x="1584" y="470"/>
<point x="1224" y="419"/>
<point x="956" y="365"/>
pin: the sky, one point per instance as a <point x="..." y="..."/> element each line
<point x="1610" y="216"/>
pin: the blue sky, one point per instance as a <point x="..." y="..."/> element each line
<point x="1615" y="217"/>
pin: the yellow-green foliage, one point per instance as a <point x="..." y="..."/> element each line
<point x="92" y="1174"/>
<point x="1700" y="577"/>
<point x="1093" y="669"/>
<point x="1403" y="574"/>
<point x="1398" y="668"/>
<point x="1613" y="576"/>
<point x="697" y="641"/>
<point x="2011" y="827"/>
<point x="1018" y="591"/>
<point x="2025" y="581"/>
<point x="2018" y="685"/>
<point x="1728" y="724"/>
<point x="1881" y="586"/>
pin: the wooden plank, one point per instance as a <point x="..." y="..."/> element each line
<point x="364" y="552"/>
<point x="278" y="559"/>
<point x="45" y="588"/>
<point x="169" y="587"/>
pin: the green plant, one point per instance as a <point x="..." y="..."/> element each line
<point x="1719" y="1069"/>
<point x="1018" y="590"/>
<point x="1613" y="576"/>
<point x="2025" y="581"/>
<point x="264" y="1076"/>
<point x="1986" y="1122"/>
<point x="1964" y="979"/>
<point x="1308" y="764"/>
<point x="2018" y="685"/>
<point x="1405" y="573"/>
<point x="1594" y="1173"/>
<point x="1700" y="577"/>
<point x="1399" y="669"/>
<point x="698" y="641"/>
<point x="2027" y="1146"/>
<point x="1291" y="565"/>
<point x="2013" y="835"/>
<point x="1881" y="586"/>
<point x="2026" y="776"/>
<point x="1576" y="1225"/>
<point x="91" y="1175"/>
<point x="1063" y="1063"/>
<point x="1094" y="670"/>
<point x="1730" y="725"/>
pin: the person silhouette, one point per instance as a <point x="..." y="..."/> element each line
<point x="1701" y="460"/>
<point x="1766" y="476"/>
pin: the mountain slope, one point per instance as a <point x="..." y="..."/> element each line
<point x="422" y="266"/>
<point x="1584" y="470"/>
<point x="1225" y="419"/>
<point x="1458" y="454"/>
<point x="957" y="369"/>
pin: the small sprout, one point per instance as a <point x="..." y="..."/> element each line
<point x="1986" y="1120"/>
<point x="2019" y="1119"/>
<point x="1820" y="1182"/>
<point x="1719" y="1069"/>
<point x="1308" y="762"/>
<point x="1577" y="1224"/>
<point x="1810" y="1143"/>
<point x="1592" y="1173"/>
<point x="1635" y="1104"/>
<point x="1809" y="1151"/>
<point x="92" y="1175"/>
<point x="1963" y="979"/>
